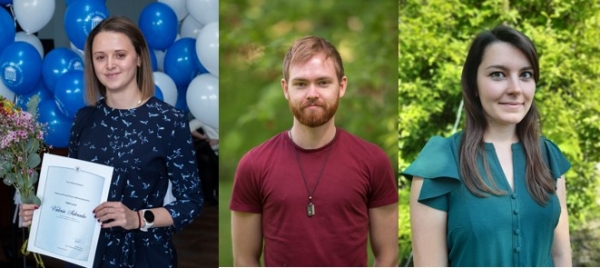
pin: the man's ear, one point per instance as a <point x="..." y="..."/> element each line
<point x="284" y="87"/>
<point x="343" y="85"/>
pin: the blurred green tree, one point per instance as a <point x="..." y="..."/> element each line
<point x="433" y="40"/>
<point x="254" y="37"/>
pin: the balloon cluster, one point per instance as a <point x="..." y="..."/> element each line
<point x="183" y="36"/>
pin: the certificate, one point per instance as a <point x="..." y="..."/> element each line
<point x="64" y="226"/>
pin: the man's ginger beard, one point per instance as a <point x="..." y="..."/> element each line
<point x="313" y="118"/>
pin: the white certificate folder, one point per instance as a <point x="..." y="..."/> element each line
<point x="64" y="226"/>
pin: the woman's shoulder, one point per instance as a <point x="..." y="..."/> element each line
<point x="438" y="159"/>
<point x="556" y="161"/>
<point x="163" y="108"/>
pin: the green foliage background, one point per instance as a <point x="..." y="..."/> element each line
<point x="433" y="40"/>
<point x="254" y="37"/>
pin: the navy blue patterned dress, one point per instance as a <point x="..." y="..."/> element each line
<point x="147" y="146"/>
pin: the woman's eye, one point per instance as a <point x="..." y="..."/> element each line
<point x="99" y="57"/>
<point x="497" y="75"/>
<point x="527" y="75"/>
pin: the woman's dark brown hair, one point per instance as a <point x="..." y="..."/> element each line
<point x="539" y="180"/>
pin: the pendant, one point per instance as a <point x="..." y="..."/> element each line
<point x="310" y="209"/>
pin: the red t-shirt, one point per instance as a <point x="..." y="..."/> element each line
<point x="357" y="176"/>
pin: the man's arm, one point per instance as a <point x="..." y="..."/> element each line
<point x="561" y="246"/>
<point x="246" y="236"/>
<point x="383" y="228"/>
<point x="428" y="226"/>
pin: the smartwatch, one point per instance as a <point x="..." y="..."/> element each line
<point x="147" y="219"/>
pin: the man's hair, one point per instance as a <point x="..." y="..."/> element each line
<point x="305" y="48"/>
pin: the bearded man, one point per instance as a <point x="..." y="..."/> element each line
<point x="314" y="194"/>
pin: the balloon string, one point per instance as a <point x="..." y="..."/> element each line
<point x="12" y="13"/>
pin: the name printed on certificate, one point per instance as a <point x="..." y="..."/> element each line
<point x="64" y="226"/>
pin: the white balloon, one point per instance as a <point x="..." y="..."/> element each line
<point x="77" y="50"/>
<point x="33" y="15"/>
<point x="31" y="39"/>
<point x="5" y="92"/>
<point x="207" y="47"/>
<point x="179" y="6"/>
<point x="167" y="87"/>
<point x="190" y="27"/>
<point x="203" y="99"/>
<point x="160" y="59"/>
<point x="204" y="11"/>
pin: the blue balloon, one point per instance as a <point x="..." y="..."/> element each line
<point x="158" y="22"/>
<point x="59" y="126"/>
<point x="69" y="93"/>
<point x="20" y="67"/>
<point x="158" y="93"/>
<point x="181" y="103"/>
<point x="57" y="62"/>
<point x="7" y="29"/>
<point x="153" y="60"/>
<point x="6" y="2"/>
<point x="40" y="90"/>
<point x="180" y="61"/>
<point x="81" y="17"/>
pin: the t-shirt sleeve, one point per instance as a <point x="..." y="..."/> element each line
<point x="384" y="186"/>
<point x="437" y="165"/>
<point x="555" y="159"/>
<point x="245" y="196"/>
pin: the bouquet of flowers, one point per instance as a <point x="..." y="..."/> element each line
<point x="21" y="137"/>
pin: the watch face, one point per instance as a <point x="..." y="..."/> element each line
<point x="149" y="216"/>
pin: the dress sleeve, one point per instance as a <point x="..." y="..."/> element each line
<point x="183" y="173"/>
<point x="555" y="159"/>
<point x="437" y="165"/>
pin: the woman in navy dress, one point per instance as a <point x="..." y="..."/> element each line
<point x="146" y="141"/>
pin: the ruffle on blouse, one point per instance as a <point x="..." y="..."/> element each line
<point x="555" y="160"/>
<point x="437" y="165"/>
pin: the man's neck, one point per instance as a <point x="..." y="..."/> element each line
<point x="312" y="138"/>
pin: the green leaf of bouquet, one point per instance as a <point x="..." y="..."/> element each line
<point x="33" y="160"/>
<point x="30" y="199"/>
<point x="20" y="180"/>
<point x="35" y="200"/>
<point x="9" y="180"/>
<point x="33" y="145"/>
<point x="33" y="104"/>
<point x="34" y="178"/>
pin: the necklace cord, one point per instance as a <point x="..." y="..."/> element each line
<point x="310" y="193"/>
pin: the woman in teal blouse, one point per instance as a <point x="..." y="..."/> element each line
<point x="493" y="194"/>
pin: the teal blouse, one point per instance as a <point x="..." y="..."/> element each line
<point x="506" y="230"/>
